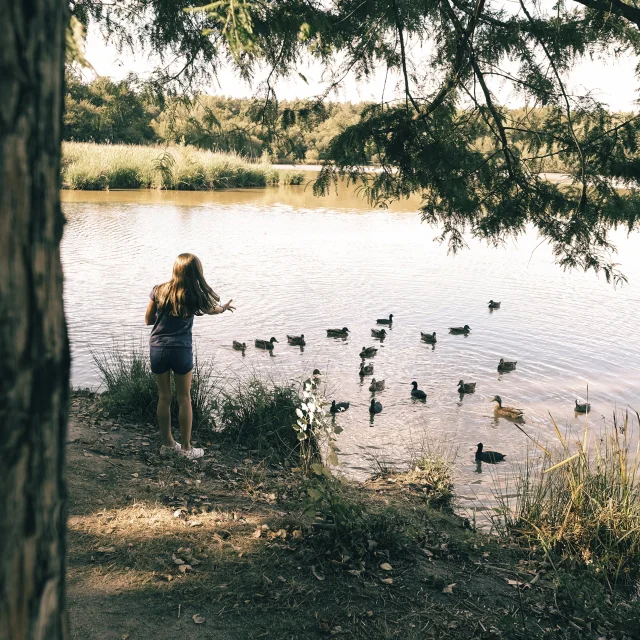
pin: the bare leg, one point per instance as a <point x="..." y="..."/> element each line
<point x="164" y="408"/>
<point x="185" y="412"/>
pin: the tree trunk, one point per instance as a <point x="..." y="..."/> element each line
<point x="34" y="351"/>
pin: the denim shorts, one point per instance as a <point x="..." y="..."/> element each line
<point x="178" y="359"/>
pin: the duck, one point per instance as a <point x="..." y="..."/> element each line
<point x="379" y="333"/>
<point x="466" y="387"/>
<point x="338" y="407"/>
<point x="265" y="344"/>
<point x="375" y="407"/>
<point x="429" y="338"/>
<point x="585" y="407"/>
<point x="488" y="456"/>
<point x="388" y="320"/>
<point x="494" y="305"/>
<point x="417" y="393"/>
<point x="460" y="330"/>
<point x="376" y="385"/>
<point x="317" y="373"/>
<point x="296" y="340"/>
<point x="366" y="369"/>
<point x="505" y="365"/>
<point x="511" y="413"/>
<point x="338" y="333"/>
<point x="239" y="346"/>
<point x="368" y="352"/>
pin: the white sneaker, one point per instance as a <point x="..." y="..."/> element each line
<point x="192" y="454"/>
<point x="168" y="451"/>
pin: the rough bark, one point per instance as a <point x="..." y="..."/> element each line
<point x="34" y="352"/>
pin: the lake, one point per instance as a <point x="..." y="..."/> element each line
<point x="297" y="264"/>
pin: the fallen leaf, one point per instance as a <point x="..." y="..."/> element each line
<point x="134" y="475"/>
<point x="257" y="533"/>
<point x="385" y="566"/>
<point x="198" y="619"/>
<point x="106" y="549"/>
<point x="195" y="523"/>
<point x="316" y="574"/>
<point x="177" y="513"/>
<point x="176" y="560"/>
<point x="183" y="568"/>
<point x="387" y="580"/>
<point x="449" y="588"/>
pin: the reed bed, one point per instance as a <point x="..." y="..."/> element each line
<point x="583" y="501"/>
<point x="98" y="167"/>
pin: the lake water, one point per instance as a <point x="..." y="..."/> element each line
<point x="296" y="264"/>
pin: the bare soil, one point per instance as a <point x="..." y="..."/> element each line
<point x="223" y="549"/>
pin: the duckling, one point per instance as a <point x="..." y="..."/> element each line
<point x="460" y="330"/>
<point x="511" y="413"/>
<point x="379" y="333"/>
<point x="368" y="352"/>
<point x="366" y="369"/>
<point x="376" y="385"/>
<point x="239" y="346"/>
<point x="417" y="393"/>
<point x="338" y="407"/>
<point x="466" y="387"/>
<point x="429" y="338"/>
<point x="489" y="456"/>
<point x="582" y="408"/>
<point x="296" y="340"/>
<point x="494" y="305"/>
<point x="338" y="333"/>
<point x="375" y="407"/>
<point x="388" y="320"/>
<point x="505" y="365"/>
<point x="265" y="344"/>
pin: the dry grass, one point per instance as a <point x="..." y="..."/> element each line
<point x="91" y="166"/>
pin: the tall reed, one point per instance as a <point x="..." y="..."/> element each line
<point x="583" y="501"/>
<point x="91" y="166"/>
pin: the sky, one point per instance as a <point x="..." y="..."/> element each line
<point x="611" y="79"/>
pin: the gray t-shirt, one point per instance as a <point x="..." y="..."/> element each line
<point x="168" y="330"/>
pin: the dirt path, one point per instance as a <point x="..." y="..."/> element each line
<point x="164" y="549"/>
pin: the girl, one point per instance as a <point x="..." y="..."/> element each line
<point x="170" y="311"/>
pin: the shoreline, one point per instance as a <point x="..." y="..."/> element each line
<point x="161" y="547"/>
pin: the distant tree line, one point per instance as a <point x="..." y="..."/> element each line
<point x="123" y="112"/>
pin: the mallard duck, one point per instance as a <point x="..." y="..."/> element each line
<point x="375" y="406"/>
<point x="338" y="407"/>
<point x="296" y="340"/>
<point x="265" y="344"/>
<point x="429" y="338"/>
<point x="366" y="369"/>
<point x="511" y="413"/>
<point x="338" y="333"/>
<point x="417" y="393"/>
<point x="466" y="387"/>
<point x="488" y="456"/>
<point x="379" y="333"/>
<point x="460" y="330"/>
<point x="368" y="352"/>
<point x="316" y="373"/>
<point x="504" y="365"/>
<point x="585" y="407"/>
<point x="388" y="320"/>
<point x="239" y="346"/>
<point x="376" y="385"/>
<point x="494" y="305"/>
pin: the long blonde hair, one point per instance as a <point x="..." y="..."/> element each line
<point x="187" y="293"/>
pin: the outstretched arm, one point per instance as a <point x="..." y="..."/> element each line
<point x="221" y="309"/>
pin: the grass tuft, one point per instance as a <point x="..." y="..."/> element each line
<point x="130" y="387"/>
<point x="583" y="501"/>
<point x="97" y="167"/>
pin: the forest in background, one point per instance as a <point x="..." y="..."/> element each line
<point x="119" y="112"/>
<point x="106" y="111"/>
